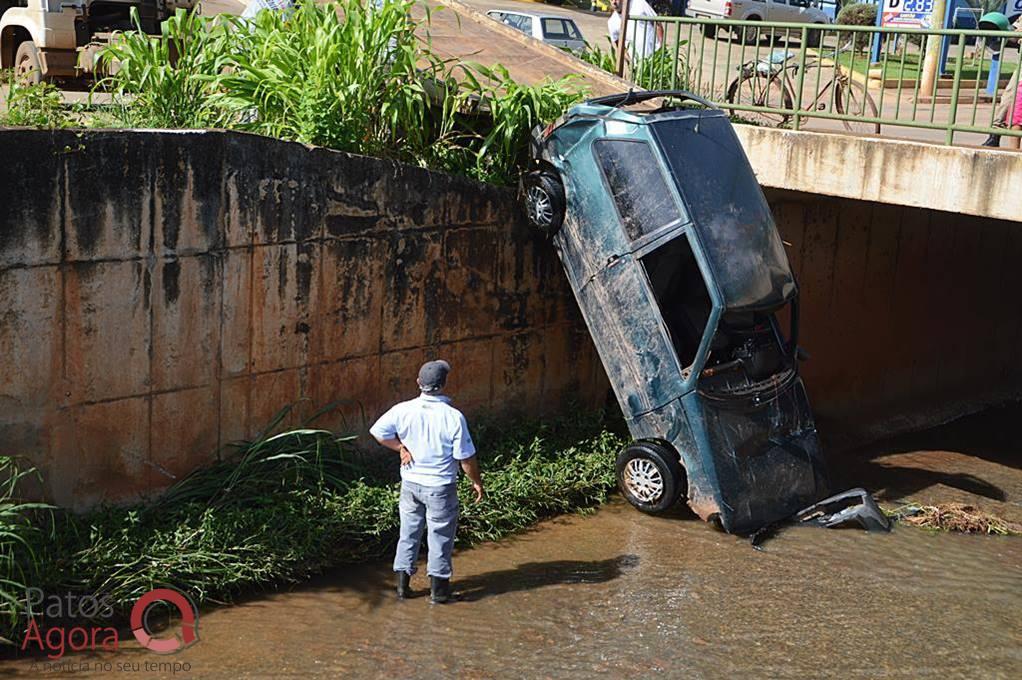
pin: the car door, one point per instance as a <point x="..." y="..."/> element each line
<point x="780" y="10"/>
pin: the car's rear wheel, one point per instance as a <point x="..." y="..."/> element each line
<point x="544" y="200"/>
<point x="748" y="34"/>
<point x="650" y="476"/>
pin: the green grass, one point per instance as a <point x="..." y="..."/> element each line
<point x="912" y="67"/>
<point x="283" y="508"/>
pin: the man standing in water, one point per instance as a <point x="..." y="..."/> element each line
<point x="432" y="438"/>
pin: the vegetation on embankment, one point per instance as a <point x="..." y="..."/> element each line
<point x="346" y="76"/>
<point x="278" y="510"/>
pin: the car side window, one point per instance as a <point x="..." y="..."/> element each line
<point x="643" y="199"/>
<point x="680" y="292"/>
<point x="527" y="25"/>
<point x="557" y="29"/>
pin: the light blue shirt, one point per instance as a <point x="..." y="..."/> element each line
<point x="436" y="434"/>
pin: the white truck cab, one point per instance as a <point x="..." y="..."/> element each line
<point x="45" y="39"/>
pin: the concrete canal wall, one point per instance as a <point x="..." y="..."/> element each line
<point x="163" y="294"/>
<point x="909" y="315"/>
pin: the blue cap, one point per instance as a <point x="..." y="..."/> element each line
<point x="433" y="375"/>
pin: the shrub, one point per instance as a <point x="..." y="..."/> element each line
<point x="856" y="14"/>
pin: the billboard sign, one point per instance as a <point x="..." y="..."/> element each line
<point x="908" y="13"/>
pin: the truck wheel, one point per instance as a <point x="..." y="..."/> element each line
<point x="748" y="34"/>
<point x="544" y="200"/>
<point x="650" y="476"/>
<point x="28" y="67"/>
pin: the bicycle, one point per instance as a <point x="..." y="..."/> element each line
<point x="772" y="81"/>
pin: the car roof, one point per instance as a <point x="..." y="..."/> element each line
<point x="535" y="15"/>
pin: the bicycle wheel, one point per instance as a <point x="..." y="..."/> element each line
<point x="755" y="89"/>
<point x="852" y="99"/>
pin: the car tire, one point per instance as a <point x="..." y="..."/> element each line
<point x="748" y="34"/>
<point x="814" y="37"/>
<point x="544" y="200"/>
<point x="709" y="31"/>
<point x="28" y="66"/>
<point x="650" y="476"/>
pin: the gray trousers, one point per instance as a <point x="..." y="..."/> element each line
<point x="434" y="508"/>
<point x="1006" y="103"/>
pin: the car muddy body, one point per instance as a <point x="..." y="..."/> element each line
<point x="46" y="39"/>
<point x="681" y="276"/>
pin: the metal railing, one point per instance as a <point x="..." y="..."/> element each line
<point x="859" y="79"/>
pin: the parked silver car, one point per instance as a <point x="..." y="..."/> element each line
<point x="553" y="29"/>
<point x="786" y="11"/>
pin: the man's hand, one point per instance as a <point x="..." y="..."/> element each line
<point x="471" y="468"/>
<point x="406" y="456"/>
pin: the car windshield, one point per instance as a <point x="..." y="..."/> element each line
<point x="730" y="213"/>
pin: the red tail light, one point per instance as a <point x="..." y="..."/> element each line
<point x="727" y="9"/>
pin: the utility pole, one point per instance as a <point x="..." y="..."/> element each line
<point x="928" y="84"/>
<point x="621" y="39"/>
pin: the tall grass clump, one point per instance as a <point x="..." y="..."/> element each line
<point x="661" y="70"/>
<point x="282" y="507"/>
<point x="345" y="75"/>
<point x="21" y="535"/>
<point x="164" y="81"/>
<point x="600" y="58"/>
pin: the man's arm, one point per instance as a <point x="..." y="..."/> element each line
<point x="394" y="444"/>
<point x="471" y="468"/>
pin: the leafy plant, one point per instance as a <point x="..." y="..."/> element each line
<point x="513" y="110"/>
<point x="662" y="71"/>
<point x="20" y="537"/>
<point x="345" y="75"/>
<point x="164" y="81"/>
<point x="32" y="105"/>
<point x="598" y="57"/>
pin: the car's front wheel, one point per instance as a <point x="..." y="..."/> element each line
<point x="27" y="64"/>
<point x="544" y="200"/>
<point x="650" y="476"/>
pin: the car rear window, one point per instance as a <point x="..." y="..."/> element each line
<point x="560" y="29"/>
<point x="644" y="201"/>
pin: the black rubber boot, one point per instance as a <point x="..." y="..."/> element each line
<point x="404" y="589"/>
<point x="992" y="140"/>
<point x="439" y="590"/>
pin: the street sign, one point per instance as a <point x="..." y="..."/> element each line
<point x="909" y="13"/>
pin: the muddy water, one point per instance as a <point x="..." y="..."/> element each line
<point x="619" y="594"/>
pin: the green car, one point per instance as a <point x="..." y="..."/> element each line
<point x="681" y="276"/>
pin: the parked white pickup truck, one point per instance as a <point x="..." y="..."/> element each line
<point x="787" y="11"/>
<point x="45" y="39"/>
